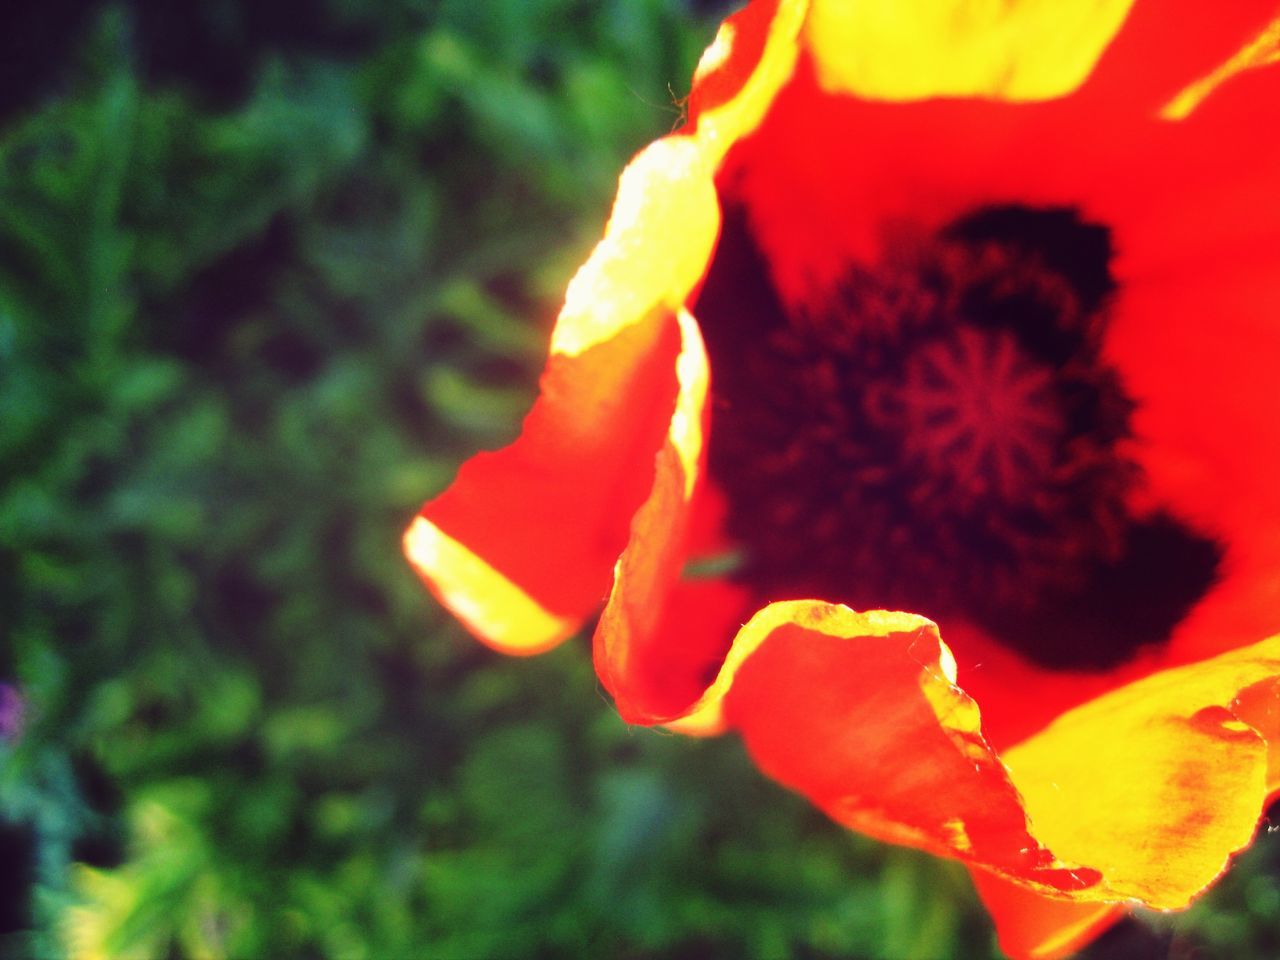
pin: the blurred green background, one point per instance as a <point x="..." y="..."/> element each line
<point x="268" y="272"/>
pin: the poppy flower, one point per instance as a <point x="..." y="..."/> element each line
<point x="937" y="319"/>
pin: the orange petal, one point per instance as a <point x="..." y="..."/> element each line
<point x="1031" y="926"/>
<point x="1155" y="784"/>
<point x="752" y="56"/>
<point x="671" y="665"/>
<point x="1140" y="795"/>
<point x="1020" y="697"/>
<point x="859" y="712"/>
<point x="646" y="651"/>
<point x="520" y="547"/>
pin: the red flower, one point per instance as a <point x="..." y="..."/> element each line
<point x="969" y="310"/>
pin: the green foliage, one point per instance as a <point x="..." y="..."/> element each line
<point x="239" y="344"/>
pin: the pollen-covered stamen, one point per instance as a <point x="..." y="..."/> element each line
<point x="941" y="434"/>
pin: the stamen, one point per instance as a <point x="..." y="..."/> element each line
<point x="943" y="435"/>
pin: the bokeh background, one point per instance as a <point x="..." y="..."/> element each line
<point x="268" y="272"/>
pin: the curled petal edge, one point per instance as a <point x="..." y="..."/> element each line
<point x="665" y="219"/>
<point x="860" y="713"/>
<point x="483" y="558"/>
<point x="1197" y="745"/>
<point x="630" y="640"/>
<point x="521" y="544"/>
<point x="491" y="606"/>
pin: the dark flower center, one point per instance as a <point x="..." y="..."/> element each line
<point x="942" y="434"/>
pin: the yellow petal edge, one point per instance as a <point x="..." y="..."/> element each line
<point x="916" y="49"/>
<point x="1157" y="783"/>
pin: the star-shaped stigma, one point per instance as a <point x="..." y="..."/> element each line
<point x="977" y="411"/>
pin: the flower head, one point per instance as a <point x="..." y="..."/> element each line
<point x="965" y="311"/>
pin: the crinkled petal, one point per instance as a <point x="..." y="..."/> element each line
<point x="655" y="248"/>
<point x="1158" y="783"/>
<point x="656" y="649"/>
<point x="917" y="49"/>
<point x="1020" y="697"/>
<point x="521" y="545"/>
<point x="859" y="712"/>
<point x="655" y="675"/>
<point x="1139" y="795"/>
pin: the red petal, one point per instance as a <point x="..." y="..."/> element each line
<point x="707" y="537"/>
<point x="887" y="172"/>
<point x="1032" y="926"/>
<point x="521" y="546"/>
<point x="732" y="58"/>
<point x="859" y="713"/>
<point x="1164" y="45"/>
<point x="550" y="513"/>
<point x="1198" y="352"/>
<point x="655" y="675"/>
<point x="658" y="645"/>
<point x="752" y="56"/>
<point x="1150" y="788"/>
<point x="1019" y="697"/>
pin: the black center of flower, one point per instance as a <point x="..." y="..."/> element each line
<point x="942" y="434"/>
